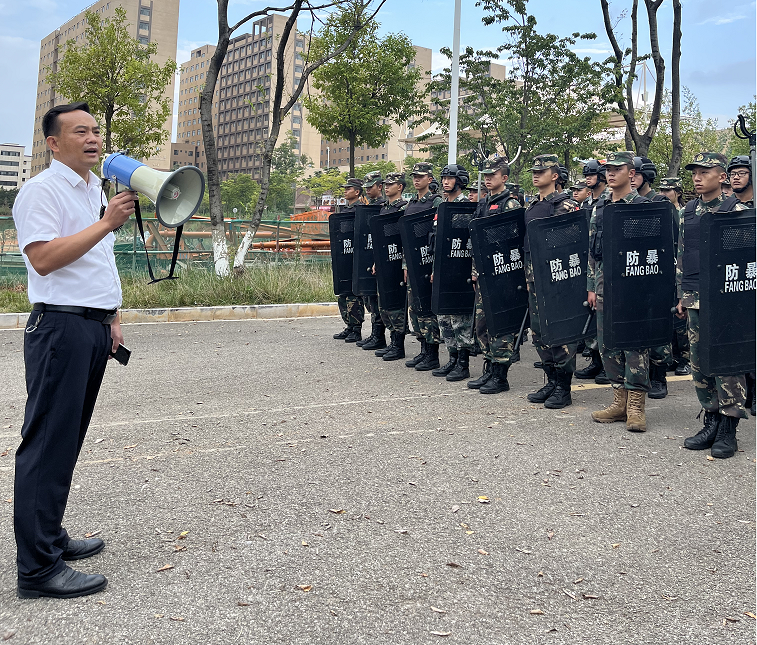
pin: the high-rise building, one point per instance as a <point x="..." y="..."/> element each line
<point x="243" y="98"/>
<point x="14" y="166"/>
<point x="337" y="153"/>
<point x="150" y="22"/>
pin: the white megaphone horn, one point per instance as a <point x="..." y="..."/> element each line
<point x="177" y="195"/>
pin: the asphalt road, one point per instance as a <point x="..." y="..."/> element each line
<point x="258" y="482"/>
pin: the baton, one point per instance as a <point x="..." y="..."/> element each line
<point x="592" y="311"/>
<point x="519" y="339"/>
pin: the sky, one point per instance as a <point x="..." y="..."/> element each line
<point x="717" y="63"/>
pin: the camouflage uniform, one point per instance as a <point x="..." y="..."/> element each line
<point x="394" y="319"/>
<point x="563" y="357"/>
<point x="627" y="369"/>
<point x="425" y="326"/>
<point x="457" y="329"/>
<point x="724" y="394"/>
<point x="371" y="302"/>
<point x="351" y="307"/>
<point x="496" y="349"/>
<point x="589" y="204"/>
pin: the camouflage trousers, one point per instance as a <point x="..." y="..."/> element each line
<point x="681" y="350"/>
<point x="429" y="329"/>
<point x="563" y="357"/>
<point x="393" y="319"/>
<point x="724" y="394"/>
<point x="624" y="367"/>
<point x="412" y="315"/>
<point x="497" y="349"/>
<point x="352" y="310"/>
<point x="662" y="356"/>
<point x="457" y="330"/>
<point x="372" y="305"/>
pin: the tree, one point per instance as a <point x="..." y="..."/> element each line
<point x="287" y="168"/>
<point x="382" y="166"/>
<point x="279" y="109"/>
<point x="369" y="87"/>
<point x="240" y="191"/>
<point x="327" y="182"/>
<point x="113" y="72"/>
<point x="635" y="138"/>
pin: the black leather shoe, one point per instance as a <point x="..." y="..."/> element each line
<point x="69" y="583"/>
<point x="80" y="549"/>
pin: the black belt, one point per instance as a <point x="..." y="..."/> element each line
<point x="104" y="316"/>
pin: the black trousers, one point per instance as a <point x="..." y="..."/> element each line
<point x="65" y="358"/>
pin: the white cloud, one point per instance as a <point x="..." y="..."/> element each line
<point x="589" y="50"/>
<point x="438" y="62"/>
<point x="724" y="19"/>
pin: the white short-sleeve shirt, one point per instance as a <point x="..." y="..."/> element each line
<point x="58" y="203"/>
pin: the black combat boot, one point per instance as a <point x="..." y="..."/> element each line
<point x="430" y="360"/>
<point x="560" y="397"/>
<point x="378" y="337"/>
<point x="383" y="350"/>
<point x="546" y="391"/>
<point x="587" y="352"/>
<point x="448" y="366"/>
<point x="397" y="350"/>
<point x="683" y="368"/>
<point x="593" y="368"/>
<point x="516" y="356"/>
<point x="658" y="382"/>
<point x="461" y="370"/>
<point x="706" y="436"/>
<point x="498" y="381"/>
<point x="601" y="378"/>
<point x="418" y="357"/>
<point x="581" y="347"/>
<point x="354" y="335"/>
<point x="474" y="385"/>
<point x="725" y="444"/>
<point x="342" y="334"/>
<point x="538" y="365"/>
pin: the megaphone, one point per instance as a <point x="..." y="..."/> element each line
<point x="177" y="195"/>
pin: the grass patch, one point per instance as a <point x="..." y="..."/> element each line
<point x="261" y="284"/>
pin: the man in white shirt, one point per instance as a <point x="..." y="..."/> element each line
<point x="75" y="288"/>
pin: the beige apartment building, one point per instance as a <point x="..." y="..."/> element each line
<point x="150" y="20"/>
<point x="336" y="154"/>
<point x="14" y="166"/>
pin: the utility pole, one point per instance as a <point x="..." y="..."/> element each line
<point x="454" y="99"/>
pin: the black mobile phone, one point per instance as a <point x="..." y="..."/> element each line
<point x="122" y="354"/>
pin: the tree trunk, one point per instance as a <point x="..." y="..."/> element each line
<point x="675" y="115"/>
<point x="352" y="155"/>
<point x="108" y="136"/>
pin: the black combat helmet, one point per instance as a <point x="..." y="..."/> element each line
<point x="458" y="172"/>
<point x="645" y="168"/>
<point x="593" y="167"/>
<point x="740" y="161"/>
<point x="564" y="178"/>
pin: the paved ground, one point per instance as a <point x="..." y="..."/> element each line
<point x="298" y="490"/>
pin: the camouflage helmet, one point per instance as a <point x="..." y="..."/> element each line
<point x="372" y="178"/>
<point x="460" y="173"/>
<point x="495" y="163"/>
<point x="395" y="178"/>
<point x="423" y="168"/>
<point x="671" y="183"/>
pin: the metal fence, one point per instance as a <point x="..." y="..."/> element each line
<point x="275" y="240"/>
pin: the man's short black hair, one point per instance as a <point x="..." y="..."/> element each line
<point x="50" y="127"/>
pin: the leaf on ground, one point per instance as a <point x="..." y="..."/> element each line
<point x="526" y="551"/>
<point x="102" y="602"/>
<point x="100" y="440"/>
<point x="550" y="535"/>
<point x="179" y="547"/>
<point x="7" y="635"/>
<point x="540" y="574"/>
<point x="732" y="619"/>
<point x="437" y="610"/>
<point x="590" y="596"/>
<point x="242" y="603"/>
<point x="482" y="552"/>
<point x="4" y="453"/>
<point x="178" y="619"/>
<point x="483" y="499"/>
<point x="577" y="580"/>
<point x="305" y="588"/>
<point x="616" y="545"/>
<point x="569" y="594"/>
<point x="401" y="531"/>
<point x="92" y="534"/>
<point x="337" y="511"/>
<point x="130" y="447"/>
<point x="750" y="614"/>
<point x="710" y="458"/>
<point x="183" y="535"/>
<point x="159" y="615"/>
<point x="454" y="565"/>
<point x="165" y="567"/>
<point x="536" y="612"/>
<point x="305" y="543"/>
<point x="440" y="633"/>
<point x="455" y="508"/>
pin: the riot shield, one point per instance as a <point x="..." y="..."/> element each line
<point x="415" y="230"/>
<point x="387" y="252"/>
<point x="727" y="293"/>
<point x="363" y="280"/>
<point x="341" y="232"/>
<point x="559" y="255"/>
<point x="452" y="292"/>
<point x="498" y="251"/>
<point x="639" y="275"/>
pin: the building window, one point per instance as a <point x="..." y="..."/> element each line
<point x="144" y="11"/>
<point x="144" y="26"/>
<point x="143" y="40"/>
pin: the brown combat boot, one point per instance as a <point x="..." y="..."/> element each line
<point x="617" y="409"/>
<point x="637" y="419"/>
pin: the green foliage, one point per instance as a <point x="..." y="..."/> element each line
<point x="363" y="91"/>
<point x="7" y="199"/>
<point x="383" y="165"/>
<point x="239" y="191"/>
<point x="327" y="182"/>
<point x="287" y="168"/>
<point x="739" y="146"/>
<point x="112" y="71"/>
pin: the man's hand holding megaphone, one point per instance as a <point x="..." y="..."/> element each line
<point x="120" y="208"/>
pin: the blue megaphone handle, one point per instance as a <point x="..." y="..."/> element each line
<point x="118" y="167"/>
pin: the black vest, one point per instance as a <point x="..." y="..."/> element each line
<point x="493" y="206"/>
<point x="595" y="244"/>
<point x="387" y="208"/>
<point x="416" y="206"/>
<point x="540" y="210"/>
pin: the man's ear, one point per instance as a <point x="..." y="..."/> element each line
<point x="52" y="143"/>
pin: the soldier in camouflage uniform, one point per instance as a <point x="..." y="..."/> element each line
<point x="628" y="370"/>
<point x="456" y="329"/>
<point x="721" y="397"/>
<point x="373" y="184"/>
<point x="581" y="191"/>
<point x="596" y="181"/>
<point x="558" y="362"/>
<point x="395" y="320"/>
<point x="477" y="192"/>
<point x="497" y="350"/>
<point x="351" y="306"/>
<point x="672" y="189"/>
<point x="425" y="324"/>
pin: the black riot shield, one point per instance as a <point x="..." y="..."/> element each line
<point x="498" y="251"/>
<point x="341" y="232"/>
<point x="559" y="255"/>
<point x="363" y="280"/>
<point x="452" y="292"/>
<point x="727" y="293"/>
<point x="639" y="275"/>
<point x="415" y="231"/>
<point x="387" y="252"/>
